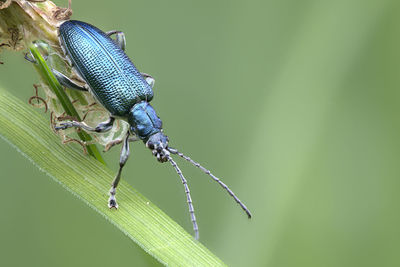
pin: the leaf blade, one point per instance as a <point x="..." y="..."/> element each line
<point x="25" y="129"/>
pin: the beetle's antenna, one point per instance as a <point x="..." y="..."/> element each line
<point x="189" y="198"/>
<point x="230" y="192"/>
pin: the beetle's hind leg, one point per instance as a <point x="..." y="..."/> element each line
<point x="61" y="78"/>
<point x="100" y="128"/>
<point x="119" y="38"/>
<point x="112" y="202"/>
<point x="67" y="82"/>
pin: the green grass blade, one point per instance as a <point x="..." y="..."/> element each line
<point x="24" y="128"/>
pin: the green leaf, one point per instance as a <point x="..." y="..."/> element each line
<point x="25" y="129"/>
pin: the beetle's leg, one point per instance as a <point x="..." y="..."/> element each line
<point x="150" y="80"/>
<point x="119" y="38"/>
<point x="30" y="58"/>
<point x="100" y="128"/>
<point x="67" y="82"/>
<point x="112" y="202"/>
<point x="115" y="142"/>
<point x="62" y="79"/>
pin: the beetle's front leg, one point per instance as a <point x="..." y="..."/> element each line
<point x="100" y="128"/>
<point x="112" y="202"/>
<point x="115" y="142"/>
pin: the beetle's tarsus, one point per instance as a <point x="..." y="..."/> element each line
<point x="115" y="142"/>
<point x="30" y="58"/>
<point x="149" y="79"/>
<point x="112" y="201"/>
<point x="112" y="204"/>
<point x="109" y="145"/>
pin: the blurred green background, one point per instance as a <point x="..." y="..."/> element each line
<point x="293" y="103"/>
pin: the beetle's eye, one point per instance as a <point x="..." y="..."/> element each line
<point x="150" y="145"/>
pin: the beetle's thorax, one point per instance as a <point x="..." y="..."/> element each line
<point x="146" y="125"/>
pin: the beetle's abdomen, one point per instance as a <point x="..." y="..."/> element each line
<point x="108" y="71"/>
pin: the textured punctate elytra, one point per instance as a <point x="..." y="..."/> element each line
<point x="108" y="71"/>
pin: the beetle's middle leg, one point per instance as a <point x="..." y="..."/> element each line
<point x="112" y="202"/>
<point x="100" y="128"/>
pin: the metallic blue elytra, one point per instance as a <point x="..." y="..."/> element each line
<point x="108" y="71"/>
<point x="125" y="92"/>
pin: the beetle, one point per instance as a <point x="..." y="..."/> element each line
<point x="125" y="92"/>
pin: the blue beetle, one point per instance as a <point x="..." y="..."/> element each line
<point x="125" y="92"/>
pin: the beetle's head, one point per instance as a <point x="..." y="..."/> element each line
<point x="146" y="125"/>
<point x="158" y="144"/>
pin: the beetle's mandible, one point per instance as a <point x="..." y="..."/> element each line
<point x="125" y="92"/>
